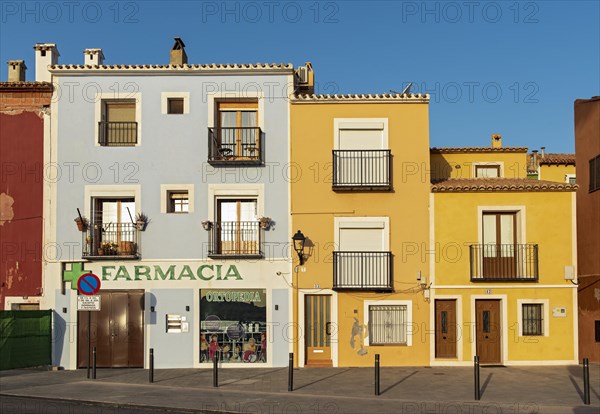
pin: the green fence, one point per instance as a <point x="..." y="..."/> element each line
<point x="25" y="339"/>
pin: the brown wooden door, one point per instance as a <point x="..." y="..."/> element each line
<point x="445" y="328"/>
<point x="117" y="331"/>
<point x="488" y="331"/>
<point x="318" y="330"/>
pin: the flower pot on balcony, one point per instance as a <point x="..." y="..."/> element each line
<point x="141" y="225"/>
<point x="82" y="223"/>
<point x="265" y="223"/>
<point x="100" y="251"/>
<point x="127" y="248"/>
<point x="207" y="225"/>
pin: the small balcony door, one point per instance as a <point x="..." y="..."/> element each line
<point x="237" y="227"/>
<point x="113" y="231"/>
<point x="499" y="244"/>
<point x="238" y="129"/>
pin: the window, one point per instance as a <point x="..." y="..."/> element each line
<point x="118" y="126"/>
<point x="597" y="330"/>
<point x="175" y="105"/>
<point x="237" y="135"/>
<point x="595" y="174"/>
<point x="532" y="314"/>
<point x="112" y="230"/>
<point x="236" y="227"/>
<point x="388" y="324"/>
<point x="361" y="158"/>
<point x="179" y="202"/>
<point x="487" y="171"/>
<point x="570" y="179"/>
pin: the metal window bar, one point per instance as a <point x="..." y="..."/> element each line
<point x="235" y="144"/>
<point x="115" y="134"/>
<point x="504" y="262"/>
<point x="387" y="324"/>
<point x="532" y="319"/>
<point x="361" y="168"/>
<point x="236" y="238"/>
<point x="110" y="239"/>
<point x="362" y="270"/>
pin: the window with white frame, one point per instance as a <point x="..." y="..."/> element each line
<point x="570" y="178"/>
<point x="178" y="201"/>
<point x="175" y="103"/>
<point x="388" y="324"/>
<point x="177" y="198"/>
<point x="487" y="171"/>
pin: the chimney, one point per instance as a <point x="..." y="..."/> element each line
<point x="178" y="56"/>
<point x="496" y="141"/>
<point x="543" y="151"/>
<point x="535" y="160"/>
<point x="93" y="57"/>
<point x="16" y="70"/>
<point x="46" y="54"/>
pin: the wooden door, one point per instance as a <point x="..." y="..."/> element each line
<point x="318" y="330"/>
<point x="445" y="328"/>
<point x="117" y="331"/>
<point x="488" y="331"/>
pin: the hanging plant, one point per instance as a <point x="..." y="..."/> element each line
<point x="265" y="222"/>
<point x="141" y="221"/>
<point x="82" y="223"/>
<point x="207" y="225"/>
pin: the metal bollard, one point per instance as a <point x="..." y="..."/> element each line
<point x="291" y="372"/>
<point x="94" y="364"/>
<point x="151" y="370"/>
<point x="476" y="379"/>
<point x="376" y="374"/>
<point x="216" y="370"/>
<point x="586" y="381"/>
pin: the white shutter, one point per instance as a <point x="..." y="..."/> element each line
<point x="360" y="139"/>
<point x="361" y="239"/>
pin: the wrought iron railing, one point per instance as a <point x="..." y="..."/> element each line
<point x="242" y="145"/>
<point x="235" y="238"/>
<point x="362" y="169"/>
<point x="107" y="240"/>
<point x="504" y="262"/>
<point x="117" y="134"/>
<point x="362" y="271"/>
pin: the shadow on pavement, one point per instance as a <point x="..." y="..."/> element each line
<point x="321" y="379"/>
<point x="399" y="382"/>
<point x="485" y="384"/>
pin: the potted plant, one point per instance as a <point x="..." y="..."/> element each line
<point x="82" y="223"/>
<point x="265" y="222"/>
<point x="141" y="221"/>
<point x="108" y="248"/>
<point x="207" y="225"/>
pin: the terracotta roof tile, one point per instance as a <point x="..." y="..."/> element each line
<point x="25" y="85"/>
<point x="566" y="159"/>
<point x="463" y="185"/>
<point x="182" y="68"/>
<point x="454" y="150"/>
<point x="418" y="97"/>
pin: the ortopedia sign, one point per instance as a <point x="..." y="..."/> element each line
<point x="88" y="303"/>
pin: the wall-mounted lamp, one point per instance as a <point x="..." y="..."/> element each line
<point x="299" y="239"/>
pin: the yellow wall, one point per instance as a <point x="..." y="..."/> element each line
<point x="514" y="164"/>
<point x="548" y="223"/>
<point x="555" y="172"/>
<point x="315" y="204"/>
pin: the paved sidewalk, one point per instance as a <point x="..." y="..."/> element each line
<point x="316" y="390"/>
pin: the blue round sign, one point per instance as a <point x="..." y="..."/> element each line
<point x="88" y="284"/>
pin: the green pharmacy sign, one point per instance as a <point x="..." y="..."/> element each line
<point x="173" y="272"/>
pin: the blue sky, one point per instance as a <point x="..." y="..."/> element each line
<point x="506" y="67"/>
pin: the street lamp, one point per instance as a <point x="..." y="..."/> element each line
<point x="299" y="239"/>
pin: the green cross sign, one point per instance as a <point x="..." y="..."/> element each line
<point x="74" y="274"/>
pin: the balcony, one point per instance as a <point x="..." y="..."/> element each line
<point x="362" y="271"/>
<point x="111" y="241"/>
<point x="235" y="239"/>
<point x="504" y="262"/>
<point x="362" y="170"/>
<point x="117" y="134"/>
<point x="239" y="146"/>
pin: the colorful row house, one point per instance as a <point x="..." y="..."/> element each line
<point x="174" y="192"/>
<point x="503" y="281"/>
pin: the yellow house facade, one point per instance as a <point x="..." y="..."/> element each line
<point x="360" y="196"/>
<point x="559" y="168"/>
<point x="502" y="281"/>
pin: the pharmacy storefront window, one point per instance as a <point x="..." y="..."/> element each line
<point x="233" y="325"/>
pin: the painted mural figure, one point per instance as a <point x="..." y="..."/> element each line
<point x="213" y="347"/>
<point x="250" y="350"/>
<point x="359" y="330"/>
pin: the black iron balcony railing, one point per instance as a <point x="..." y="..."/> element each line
<point x="362" y="271"/>
<point x="117" y="134"/>
<point x="362" y="170"/>
<point x="235" y="146"/>
<point x="107" y="240"/>
<point x="235" y="239"/>
<point x="504" y="262"/>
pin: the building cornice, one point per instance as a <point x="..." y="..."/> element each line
<point x="468" y="185"/>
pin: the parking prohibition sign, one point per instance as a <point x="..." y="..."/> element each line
<point x="88" y="284"/>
